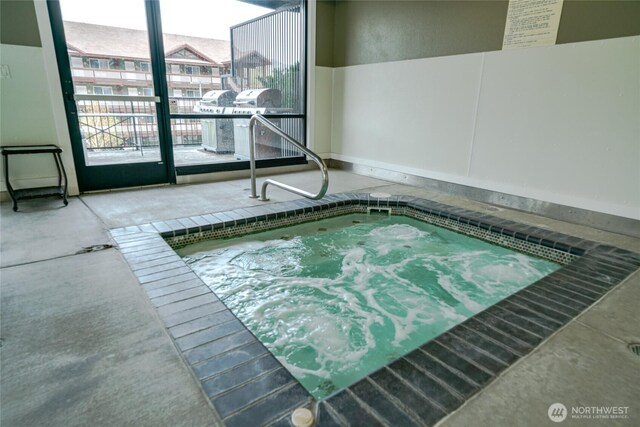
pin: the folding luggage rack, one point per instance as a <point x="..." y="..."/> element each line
<point x="34" y="193"/>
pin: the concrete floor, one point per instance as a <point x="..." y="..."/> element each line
<point x="82" y="345"/>
<point x="183" y="155"/>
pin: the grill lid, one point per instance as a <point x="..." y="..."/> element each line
<point x="218" y="98"/>
<point x="261" y="98"/>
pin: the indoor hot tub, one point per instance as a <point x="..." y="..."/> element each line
<point x="365" y="309"/>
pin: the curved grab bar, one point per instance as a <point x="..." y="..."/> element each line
<point x="252" y="161"/>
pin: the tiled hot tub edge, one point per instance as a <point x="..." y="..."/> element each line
<point x="248" y="386"/>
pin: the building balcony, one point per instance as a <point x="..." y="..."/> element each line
<point x="122" y="77"/>
<point x="121" y="130"/>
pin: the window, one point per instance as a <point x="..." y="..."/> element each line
<point x="102" y="90"/>
<point x="81" y="90"/>
<point x="260" y="47"/>
<point x="268" y="52"/>
<point x="76" y="62"/>
<point x="99" y="63"/>
<point x="116" y="64"/>
<point x="190" y="69"/>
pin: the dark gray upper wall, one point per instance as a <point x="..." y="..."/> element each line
<point x="373" y="31"/>
<point x="18" y="23"/>
<point x="596" y="20"/>
<point x="325" y="18"/>
<point x="381" y="31"/>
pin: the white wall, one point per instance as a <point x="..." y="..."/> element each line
<point x="559" y="123"/>
<point x="32" y="110"/>
<point x="27" y="117"/>
<point x="323" y="103"/>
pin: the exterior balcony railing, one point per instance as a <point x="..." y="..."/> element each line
<point x="96" y="75"/>
<point x="117" y="129"/>
<point x="127" y="124"/>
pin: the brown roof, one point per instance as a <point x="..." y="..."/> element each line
<point x="117" y="42"/>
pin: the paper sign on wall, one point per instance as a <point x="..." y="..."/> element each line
<point x="532" y="23"/>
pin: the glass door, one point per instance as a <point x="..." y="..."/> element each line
<point x="148" y="99"/>
<point x="113" y="90"/>
<point x="225" y="61"/>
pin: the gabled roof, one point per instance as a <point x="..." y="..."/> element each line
<point x="105" y="41"/>
<point x="72" y="48"/>
<point x="174" y="53"/>
<point x="250" y="59"/>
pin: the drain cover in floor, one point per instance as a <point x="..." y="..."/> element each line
<point x="94" y="248"/>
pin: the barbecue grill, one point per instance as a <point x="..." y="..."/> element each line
<point x="250" y="102"/>
<point x="217" y="134"/>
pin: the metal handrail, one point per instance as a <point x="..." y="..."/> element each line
<point x="252" y="161"/>
<point x="120" y="98"/>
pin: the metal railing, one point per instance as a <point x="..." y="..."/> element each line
<point x="269" y="51"/>
<point x="111" y="122"/>
<point x="252" y="161"/>
<point x="92" y="75"/>
<point x="120" y="122"/>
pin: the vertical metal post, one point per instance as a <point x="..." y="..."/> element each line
<point x="135" y="131"/>
<point x="159" y="73"/>
<point x="252" y="158"/>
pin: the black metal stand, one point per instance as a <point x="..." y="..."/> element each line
<point x="34" y="193"/>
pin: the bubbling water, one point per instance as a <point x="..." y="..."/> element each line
<point x="334" y="303"/>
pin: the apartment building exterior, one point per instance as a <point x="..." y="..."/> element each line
<point x="115" y="61"/>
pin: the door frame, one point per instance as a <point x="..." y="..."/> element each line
<point x="101" y="177"/>
<point x="239" y="165"/>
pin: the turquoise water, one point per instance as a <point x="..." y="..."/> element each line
<point x="335" y="300"/>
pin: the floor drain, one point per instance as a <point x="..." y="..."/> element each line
<point x="635" y="348"/>
<point x="94" y="248"/>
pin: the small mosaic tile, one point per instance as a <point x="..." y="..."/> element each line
<point x="254" y="227"/>
<point x="546" y="252"/>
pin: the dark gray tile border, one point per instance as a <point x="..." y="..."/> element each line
<point x="248" y="386"/>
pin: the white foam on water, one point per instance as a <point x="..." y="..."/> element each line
<point x="298" y="371"/>
<point x="448" y="285"/>
<point x="398" y="279"/>
<point x="397" y="232"/>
